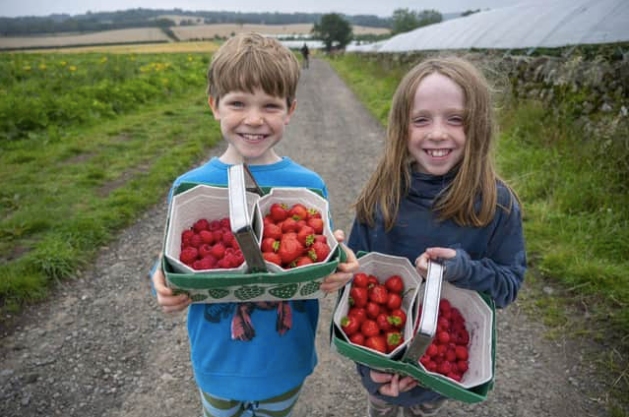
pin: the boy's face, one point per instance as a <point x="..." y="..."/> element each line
<point x="252" y="124"/>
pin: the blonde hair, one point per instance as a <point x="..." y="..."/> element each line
<point x="249" y="61"/>
<point x="475" y="176"/>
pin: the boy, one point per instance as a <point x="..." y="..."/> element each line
<point x="252" y="83"/>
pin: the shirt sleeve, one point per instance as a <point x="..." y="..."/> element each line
<point x="500" y="272"/>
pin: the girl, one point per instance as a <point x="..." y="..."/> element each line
<point x="435" y="194"/>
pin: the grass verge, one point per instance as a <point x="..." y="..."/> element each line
<point x="62" y="200"/>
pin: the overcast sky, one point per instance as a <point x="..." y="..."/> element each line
<point x="383" y="8"/>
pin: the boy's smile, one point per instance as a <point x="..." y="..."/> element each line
<point x="252" y="124"/>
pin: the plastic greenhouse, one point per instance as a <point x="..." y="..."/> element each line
<point x="533" y="24"/>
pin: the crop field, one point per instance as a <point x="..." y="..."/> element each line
<point x="134" y="35"/>
<point x="155" y="35"/>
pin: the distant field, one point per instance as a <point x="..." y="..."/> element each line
<point x="135" y="35"/>
<point x="225" y="30"/>
<point x="148" y="35"/>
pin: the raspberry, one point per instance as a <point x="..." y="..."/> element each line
<point x="188" y="255"/>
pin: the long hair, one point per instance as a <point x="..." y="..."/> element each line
<point x="475" y="174"/>
<point x="249" y="61"/>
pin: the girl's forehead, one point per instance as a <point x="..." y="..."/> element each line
<point x="437" y="88"/>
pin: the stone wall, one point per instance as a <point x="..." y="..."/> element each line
<point x="582" y="84"/>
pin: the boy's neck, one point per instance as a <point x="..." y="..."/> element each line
<point x="230" y="157"/>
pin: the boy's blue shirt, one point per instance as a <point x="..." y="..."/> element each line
<point x="490" y="259"/>
<point x="269" y="363"/>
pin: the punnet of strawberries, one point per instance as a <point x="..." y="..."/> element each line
<point x="375" y="318"/>
<point x="210" y="245"/>
<point x="448" y="354"/>
<point x="293" y="235"/>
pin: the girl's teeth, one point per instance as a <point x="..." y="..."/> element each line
<point x="437" y="152"/>
<point x="253" y="137"/>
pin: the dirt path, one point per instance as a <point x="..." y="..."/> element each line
<point x="101" y="347"/>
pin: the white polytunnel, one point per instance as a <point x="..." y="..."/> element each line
<point x="530" y="24"/>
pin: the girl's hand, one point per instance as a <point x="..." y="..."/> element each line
<point x="344" y="271"/>
<point x="394" y="384"/>
<point x="170" y="303"/>
<point x="421" y="263"/>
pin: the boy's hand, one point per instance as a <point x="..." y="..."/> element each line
<point x="421" y="263"/>
<point x="170" y="303"/>
<point x="394" y="384"/>
<point x="344" y="271"/>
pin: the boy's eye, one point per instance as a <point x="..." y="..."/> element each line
<point x="236" y="103"/>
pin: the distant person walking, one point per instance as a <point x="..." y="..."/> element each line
<point x="305" y="53"/>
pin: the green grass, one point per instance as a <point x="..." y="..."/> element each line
<point x="575" y="195"/>
<point x="62" y="200"/>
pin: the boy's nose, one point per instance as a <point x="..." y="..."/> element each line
<point x="254" y="118"/>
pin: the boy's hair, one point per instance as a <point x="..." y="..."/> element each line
<point x="249" y="61"/>
<point x="475" y="177"/>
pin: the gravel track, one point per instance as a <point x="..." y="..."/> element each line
<point x="102" y="347"/>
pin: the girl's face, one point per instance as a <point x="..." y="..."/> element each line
<point x="436" y="131"/>
<point x="252" y="124"/>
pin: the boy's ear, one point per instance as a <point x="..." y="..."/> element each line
<point x="214" y="106"/>
<point x="291" y="110"/>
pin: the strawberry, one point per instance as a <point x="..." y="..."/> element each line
<point x="298" y="212"/>
<point x="273" y="231"/>
<point x="290" y="249"/>
<point x="313" y="213"/>
<point x="369" y="328"/>
<point x="357" y="339"/>
<point x="301" y="261"/>
<point x="306" y="235"/>
<point x="360" y="280"/>
<point x="394" y="339"/>
<point x="350" y="325"/>
<point x="269" y="245"/>
<point x="319" y="251"/>
<point x="395" y="284"/>
<point x="316" y="223"/>
<point x="379" y="294"/>
<point x="399" y="317"/>
<point x="359" y="313"/>
<point x="383" y="322"/>
<point x="278" y="212"/>
<point x="377" y="343"/>
<point x="272" y="257"/>
<point x="358" y="297"/>
<point x="373" y="309"/>
<point x="394" y="301"/>
<point x="289" y="225"/>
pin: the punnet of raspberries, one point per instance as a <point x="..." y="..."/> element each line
<point x="210" y="245"/>
<point x="375" y="318"/>
<point x="292" y="236"/>
<point x="448" y="354"/>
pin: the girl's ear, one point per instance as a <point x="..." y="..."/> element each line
<point x="213" y="103"/>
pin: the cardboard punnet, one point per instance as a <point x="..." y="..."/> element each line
<point x="239" y="285"/>
<point x="382" y="267"/>
<point x="479" y="313"/>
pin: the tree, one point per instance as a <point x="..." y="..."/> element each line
<point x="333" y="31"/>
<point x="405" y="20"/>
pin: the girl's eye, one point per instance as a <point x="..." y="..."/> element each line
<point x="455" y="120"/>
<point x="420" y="121"/>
